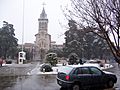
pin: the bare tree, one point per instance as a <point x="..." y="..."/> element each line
<point x="101" y="17"/>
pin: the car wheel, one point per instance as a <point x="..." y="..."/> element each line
<point x="110" y="84"/>
<point x="76" y="87"/>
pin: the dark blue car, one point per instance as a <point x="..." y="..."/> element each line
<point x="79" y="77"/>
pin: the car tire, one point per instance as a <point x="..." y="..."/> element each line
<point x="76" y="87"/>
<point x="110" y="84"/>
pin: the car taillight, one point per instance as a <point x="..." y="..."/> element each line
<point x="67" y="77"/>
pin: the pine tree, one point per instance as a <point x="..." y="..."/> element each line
<point x="8" y="42"/>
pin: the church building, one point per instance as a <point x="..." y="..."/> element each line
<point x="43" y="39"/>
<point x="43" y="42"/>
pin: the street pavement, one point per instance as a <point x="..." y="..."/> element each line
<point x="14" y="77"/>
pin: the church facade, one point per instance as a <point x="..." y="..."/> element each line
<point x="43" y="39"/>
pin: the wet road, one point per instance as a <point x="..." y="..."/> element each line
<point x="116" y="70"/>
<point x="40" y="82"/>
<point x="33" y="83"/>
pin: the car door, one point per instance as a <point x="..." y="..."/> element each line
<point x="97" y="77"/>
<point x="82" y="74"/>
<point x="86" y="76"/>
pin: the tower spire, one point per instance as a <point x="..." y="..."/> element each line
<point x="43" y="15"/>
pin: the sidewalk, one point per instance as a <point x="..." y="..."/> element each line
<point x="16" y="69"/>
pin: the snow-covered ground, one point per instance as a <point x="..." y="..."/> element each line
<point x="16" y="65"/>
<point x="36" y="70"/>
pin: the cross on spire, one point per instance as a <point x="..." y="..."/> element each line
<point x="43" y="15"/>
<point x="43" y="4"/>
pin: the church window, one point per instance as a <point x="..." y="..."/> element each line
<point x="45" y="25"/>
<point x="42" y="43"/>
<point x="40" y="24"/>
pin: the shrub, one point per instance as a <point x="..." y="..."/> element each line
<point x="73" y="59"/>
<point x="51" y="58"/>
<point x="46" y="67"/>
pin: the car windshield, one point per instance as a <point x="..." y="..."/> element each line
<point x="65" y="69"/>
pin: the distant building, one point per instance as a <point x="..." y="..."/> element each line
<point x="29" y="47"/>
<point x="56" y="46"/>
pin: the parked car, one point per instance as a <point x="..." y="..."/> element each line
<point x="82" y="77"/>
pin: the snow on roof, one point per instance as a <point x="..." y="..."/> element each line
<point x="84" y="65"/>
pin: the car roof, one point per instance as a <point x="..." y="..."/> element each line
<point x="68" y="68"/>
<point x="84" y="65"/>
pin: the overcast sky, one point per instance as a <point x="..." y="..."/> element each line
<point x="12" y="12"/>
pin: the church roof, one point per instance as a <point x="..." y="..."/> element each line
<point x="43" y="15"/>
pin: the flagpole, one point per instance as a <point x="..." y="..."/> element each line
<point x="23" y="27"/>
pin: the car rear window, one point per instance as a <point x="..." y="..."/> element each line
<point x="65" y="69"/>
